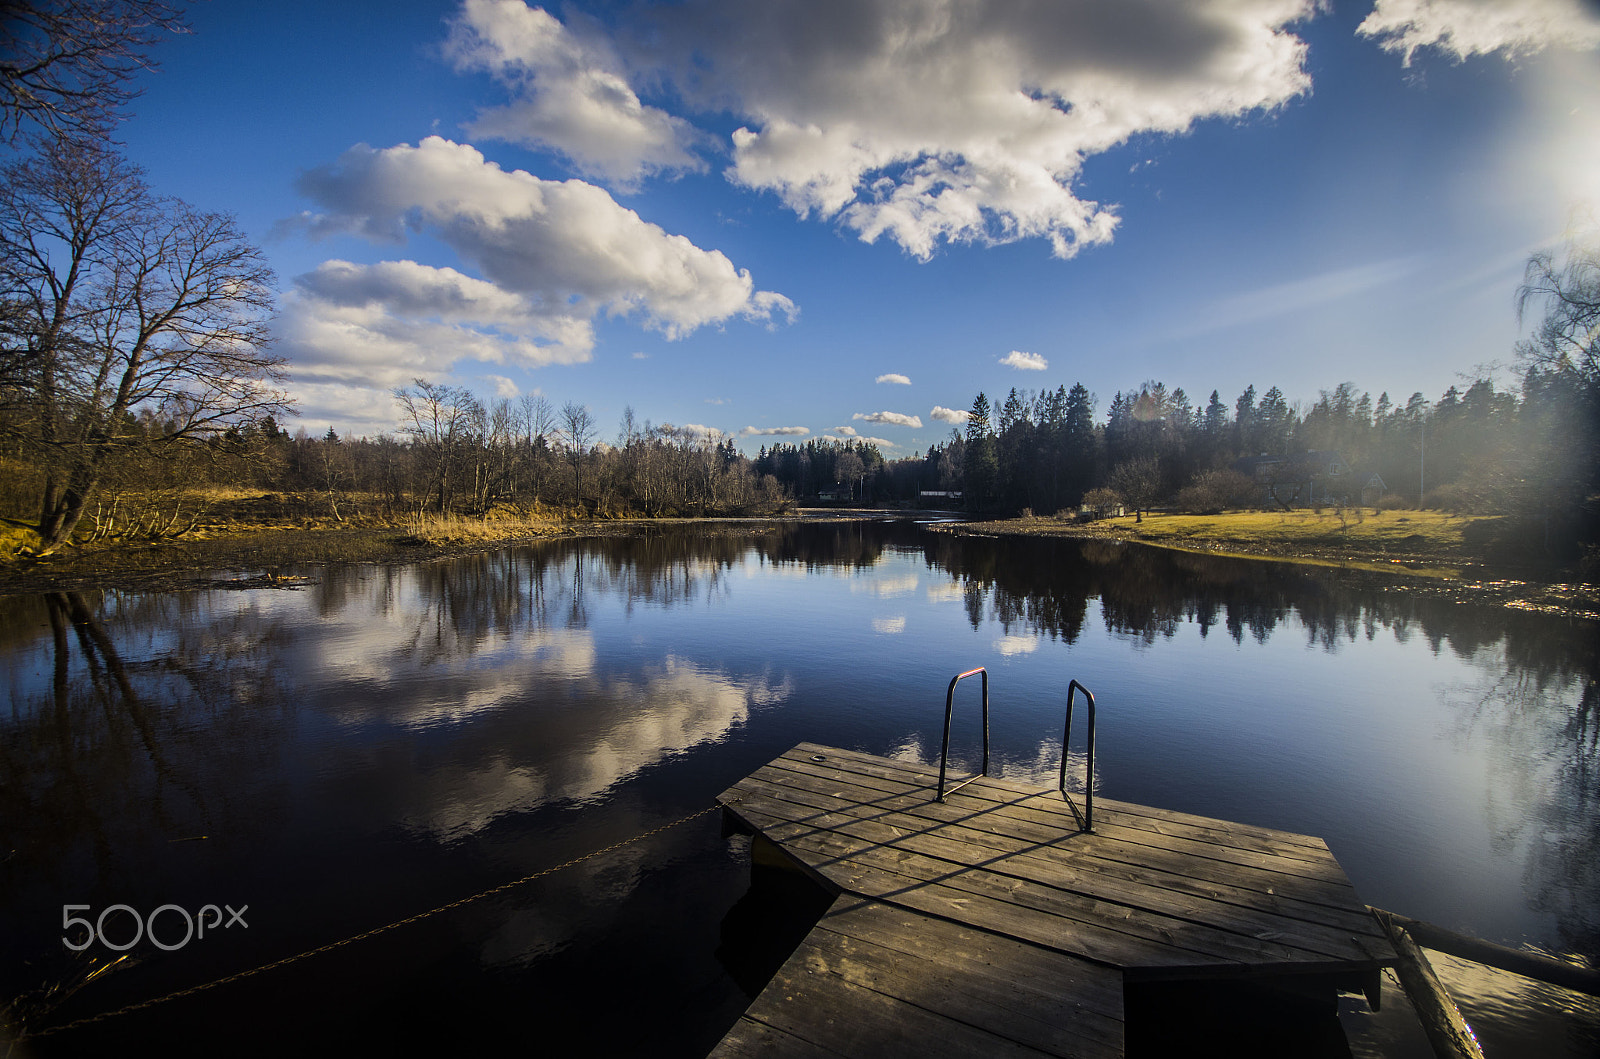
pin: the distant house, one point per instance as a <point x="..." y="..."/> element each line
<point x="941" y="494"/>
<point x="1304" y="478"/>
<point x="1372" y="487"/>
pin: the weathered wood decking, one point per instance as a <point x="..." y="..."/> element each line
<point x="991" y="924"/>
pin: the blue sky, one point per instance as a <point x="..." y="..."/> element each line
<point x="743" y="216"/>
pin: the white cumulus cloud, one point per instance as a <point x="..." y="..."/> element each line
<point x="1464" y="28"/>
<point x="949" y="415"/>
<point x="569" y="92"/>
<point x="934" y="122"/>
<point x="1024" y="361"/>
<point x="383" y="325"/>
<point x="895" y="418"/>
<point x="564" y="246"/>
<point x="850" y="434"/>
<point x="695" y="432"/>
<point x="792" y="432"/>
<point x="898" y="380"/>
<point x="352" y="408"/>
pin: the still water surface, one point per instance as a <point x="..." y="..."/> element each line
<point x="391" y="738"/>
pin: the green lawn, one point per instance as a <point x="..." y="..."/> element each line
<point x="1416" y="532"/>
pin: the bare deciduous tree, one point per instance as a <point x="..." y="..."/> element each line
<point x="438" y="419"/>
<point x="538" y="418"/>
<point x="68" y="65"/>
<point x="1138" y="482"/>
<point x="849" y="470"/>
<point x="136" y="321"/>
<point x="578" y="425"/>
<point x="1567" y="338"/>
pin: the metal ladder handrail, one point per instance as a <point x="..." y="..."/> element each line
<point x="949" y="705"/>
<point x="1085" y="818"/>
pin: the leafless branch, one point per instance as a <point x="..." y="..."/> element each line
<point x="68" y="66"/>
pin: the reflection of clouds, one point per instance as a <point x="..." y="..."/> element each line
<point x="1016" y="645"/>
<point x="889" y="626"/>
<point x="474" y="796"/>
<point x="784" y="569"/>
<point x="519" y="706"/>
<point x="945" y="593"/>
<point x="910" y="751"/>
<point x="617" y="727"/>
<point x="888" y="587"/>
<point x="668" y="711"/>
<point x="1044" y="770"/>
<point x="503" y="668"/>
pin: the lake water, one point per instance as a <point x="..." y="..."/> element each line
<point x="388" y="739"/>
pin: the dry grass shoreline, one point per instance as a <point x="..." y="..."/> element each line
<point x="248" y="538"/>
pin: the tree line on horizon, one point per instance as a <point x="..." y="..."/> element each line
<point x="1480" y="450"/>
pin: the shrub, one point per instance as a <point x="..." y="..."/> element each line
<point x="1450" y="497"/>
<point x="1198" y="500"/>
<point x="1212" y="491"/>
<point x="1392" y="502"/>
<point x="1237" y="490"/>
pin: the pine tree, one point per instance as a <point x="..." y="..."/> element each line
<point x="981" y="464"/>
<point x="1078" y="443"/>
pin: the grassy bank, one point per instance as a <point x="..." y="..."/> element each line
<point x="1425" y="543"/>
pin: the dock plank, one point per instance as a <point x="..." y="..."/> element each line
<point x="1045" y="809"/>
<point x="1045" y="1014"/>
<point x="1324" y="907"/>
<point x="836" y="848"/>
<point x="1009" y="795"/>
<point x="1048" y="808"/>
<point x="1188" y="820"/>
<point x="864" y="984"/>
<point x="751" y="1038"/>
<point x="1073" y="874"/>
<point x="1317" y="882"/>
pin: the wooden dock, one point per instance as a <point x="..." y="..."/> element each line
<point x="991" y="924"/>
